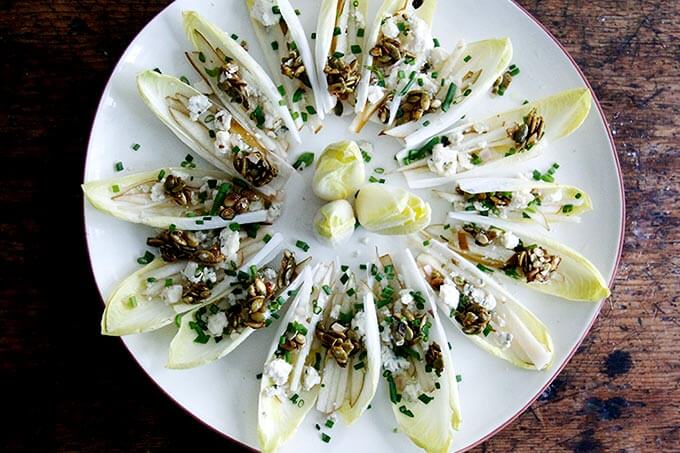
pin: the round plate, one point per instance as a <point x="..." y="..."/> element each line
<point x="224" y="394"/>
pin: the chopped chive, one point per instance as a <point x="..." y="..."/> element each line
<point x="214" y="72"/>
<point x="578" y="195"/>
<point x="379" y="170"/>
<point x="425" y="399"/>
<point x="327" y="289"/>
<point x="311" y="110"/>
<point x="234" y="226"/>
<point x="344" y="278"/>
<point x="487" y="330"/>
<point x="219" y="198"/>
<point x="157" y="70"/>
<point x="304" y="116"/>
<point x="201" y="57"/>
<point x="115" y="188"/>
<point x="356" y="49"/>
<point x="304" y="160"/>
<point x="360" y="32"/>
<point x="313" y="35"/>
<point x="147" y="258"/>
<point x="483" y="268"/>
<point x="282" y="90"/>
<point x="185" y="80"/>
<point x="344" y="268"/>
<point x="436" y="42"/>
<point x="118" y="166"/>
<point x="514" y="72"/>
<point x="267" y="237"/>
<point x="276" y="10"/>
<point x="336" y="31"/>
<point x="168" y="282"/>
<point x="275" y="45"/>
<point x="467" y="92"/>
<point x="297" y="12"/>
<point x="297" y="96"/>
<point x="366" y="156"/>
<point x="404" y="410"/>
<point x="446" y="104"/>
<point x="234" y="37"/>
<point x="359" y="366"/>
<point x="136" y="146"/>
<point x="325" y="437"/>
<point x="567" y="208"/>
<point x="459" y="378"/>
<point x="351" y="292"/>
<point x="467" y="58"/>
<point x="526" y="101"/>
<point x="132" y="302"/>
<point x="329" y="423"/>
<point x="302" y="245"/>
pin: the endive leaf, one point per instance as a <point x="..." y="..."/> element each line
<point x="129" y="198"/>
<point x="129" y="310"/>
<point x="161" y="92"/>
<point x="206" y="39"/>
<point x="428" y="424"/>
<point x="274" y="56"/>
<point x="348" y="16"/>
<point x="557" y="202"/>
<point x="490" y="141"/>
<point x="391" y="210"/>
<point x="531" y="346"/>
<point x="576" y="278"/>
<point x="185" y="352"/>
<point x="491" y="57"/>
<point x="282" y="409"/>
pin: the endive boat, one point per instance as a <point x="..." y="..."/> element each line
<point x="256" y="294"/>
<point x="346" y="349"/>
<point x="186" y="199"/>
<point x="240" y="84"/>
<point x="212" y="132"/>
<point x="290" y="383"/>
<point x="416" y="360"/>
<point x="480" y="147"/>
<point x="483" y="310"/>
<point x="289" y="59"/>
<point x="518" y="200"/>
<point x="411" y="84"/>
<point x="193" y="270"/>
<point x="339" y="52"/>
<point x="519" y="254"/>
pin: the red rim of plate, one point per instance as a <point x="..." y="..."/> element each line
<point x="571" y="353"/>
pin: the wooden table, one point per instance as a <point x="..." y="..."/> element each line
<point x="620" y="392"/>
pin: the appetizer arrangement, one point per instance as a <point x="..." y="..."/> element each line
<point x="217" y="269"/>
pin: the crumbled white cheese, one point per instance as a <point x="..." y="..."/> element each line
<point x="273" y="212"/>
<point x="449" y="295"/>
<point x="419" y="39"/>
<point x="158" y="192"/>
<point x="412" y="390"/>
<point x="457" y="137"/>
<point x="278" y="371"/>
<point x="375" y="94"/>
<point x="510" y="241"/>
<point x="392" y="363"/>
<point x="480" y="296"/>
<point x="390" y="28"/>
<point x="208" y="275"/>
<point x="172" y="294"/>
<point x="310" y="378"/>
<point x="464" y="161"/>
<point x="191" y="272"/>
<point x="359" y="323"/>
<point x="405" y="297"/>
<point x="520" y="199"/>
<point x="438" y="56"/>
<point x="198" y="105"/>
<point x="504" y="339"/>
<point x="269" y="274"/>
<point x="358" y="18"/>
<point x="229" y="244"/>
<point x="263" y="12"/>
<point x="222" y="141"/>
<point x="335" y="311"/>
<point x="217" y="323"/>
<point x="443" y="161"/>
<point x="222" y="120"/>
<point x="555" y="195"/>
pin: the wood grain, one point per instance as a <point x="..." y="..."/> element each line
<point x="620" y="392"/>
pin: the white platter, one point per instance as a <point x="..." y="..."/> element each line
<point x="223" y="395"/>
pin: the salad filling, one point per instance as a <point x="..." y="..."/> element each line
<point x="340" y="45"/>
<point x="240" y="83"/>
<point x="483" y="310"/>
<point x="518" y="199"/>
<point x="289" y="58"/>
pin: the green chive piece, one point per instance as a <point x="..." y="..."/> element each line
<point x="304" y="160"/>
<point x="136" y="146"/>
<point x="275" y="45"/>
<point x="356" y="49"/>
<point x="118" y="166"/>
<point x="467" y="58"/>
<point x="147" y="258"/>
<point x="425" y="399"/>
<point x="115" y="188"/>
<point x="449" y="97"/>
<point x="302" y="245"/>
